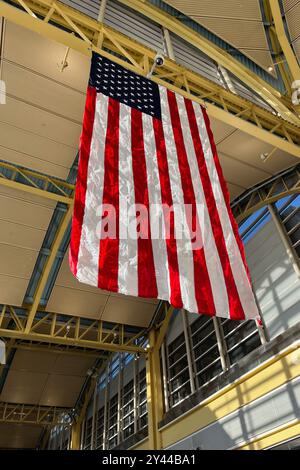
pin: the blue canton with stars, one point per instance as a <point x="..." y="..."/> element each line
<point x="124" y="86"/>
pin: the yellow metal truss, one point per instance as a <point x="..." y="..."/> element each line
<point x="221" y="57"/>
<point x="268" y="192"/>
<point x="48" y="266"/>
<point x="31" y="414"/>
<point x="69" y="331"/>
<point x="223" y="105"/>
<point x="283" y="40"/>
<point x="24" y="179"/>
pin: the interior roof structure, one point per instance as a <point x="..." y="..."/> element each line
<point x="40" y="128"/>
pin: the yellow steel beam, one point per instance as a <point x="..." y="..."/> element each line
<point x="277" y="50"/>
<point x="268" y="192"/>
<point x="77" y="424"/>
<point x="56" y="349"/>
<point x="265" y="378"/>
<point x="154" y="393"/>
<point x="283" y="40"/>
<point x="35" y="191"/>
<point x="75" y="436"/>
<point x="255" y="83"/>
<point x="31" y="414"/>
<point x="63" y="188"/>
<point x="221" y="103"/>
<point x="256" y="383"/>
<point x="48" y="266"/>
<point x="163" y="328"/>
<point x="64" y="340"/>
<point x="62" y="330"/>
<point x="274" y="437"/>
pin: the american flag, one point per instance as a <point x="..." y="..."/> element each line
<point x="150" y="147"/>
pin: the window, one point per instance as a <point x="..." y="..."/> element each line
<point x="99" y="429"/>
<point x="88" y="433"/>
<point x="205" y="350"/>
<point x="241" y="338"/>
<point x="128" y="410"/>
<point x="113" y="422"/>
<point x="142" y="399"/>
<point x="177" y="365"/>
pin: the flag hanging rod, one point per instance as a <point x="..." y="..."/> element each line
<point x="81" y="33"/>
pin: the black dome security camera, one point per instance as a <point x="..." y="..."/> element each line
<point x="159" y="60"/>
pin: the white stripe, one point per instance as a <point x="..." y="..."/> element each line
<point x="159" y="244"/>
<point x="236" y="262"/>
<point x="88" y="256"/>
<point x="213" y="263"/>
<point x="127" y="273"/>
<point x="184" y="246"/>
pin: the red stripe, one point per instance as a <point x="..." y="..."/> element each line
<point x="81" y="183"/>
<point x="147" y="286"/>
<point x="109" y="247"/>
<point x="225" y="191"/>
<point x="166" y="197"/>
<point x="203" y="290"/>
<point x="235" y="306"/>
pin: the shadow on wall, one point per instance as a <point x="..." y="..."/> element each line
<point x="252" y="418"/>
<point x="274" y="280"/>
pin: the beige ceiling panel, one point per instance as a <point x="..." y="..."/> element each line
<point x="17" y="262"/>
<point x="42" y="123"/>
<point x="262" y="58"/>
<point x="20" y="235"/>
<point x="219" y="8"/>
<point x="45" y="56"/>
<point x="234" y="190"/>
<point x="12" y="290"/>
<point x="72" y="365"/>
<point x="127" y="311"/>
<point x="34" y="361"/>
<point x="241" y="34"/>
<point x="65" y="278"/>
<point x="238" y="173"/>
<point x="76" y="302"/>
<point x="135" y="299"/>
<point x="296" y="46"/>
<point x="61" y="390"/>
<point x="238" y="22"/>
<point x="288" y="4"/>
<point x="293" y="21"/>
<point x="19" y="436"/>
<point x="25" y="209"/>
<point x="220" y="130"/>
<point x="23" y="387"/>
<point x="248" y="150"/>
<point x="37" y="164"/>
<point x="43" y="92"/>
<point x="40" y="148"/>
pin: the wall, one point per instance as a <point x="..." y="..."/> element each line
<point x="274" y="280"/>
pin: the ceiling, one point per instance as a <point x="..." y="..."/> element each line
<point x="292" y="15"/>
<point x="40" y="127"/>
<point x="239" y="22"/>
